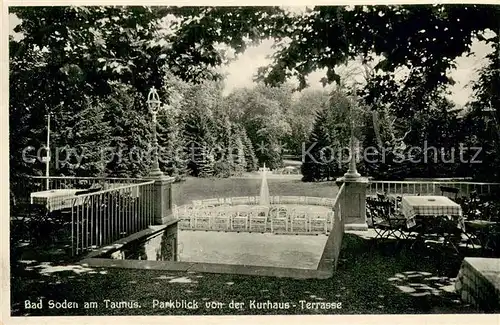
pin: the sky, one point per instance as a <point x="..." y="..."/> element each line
<point x="241" y="71"/>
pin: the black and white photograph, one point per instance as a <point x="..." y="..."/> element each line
<point x="248" y="160"/>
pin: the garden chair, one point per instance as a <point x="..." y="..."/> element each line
<point x="239" y="222"/>
<point x="438" y="227"/>
<point x="299" y="220"/>
<point x="279" y="219"/>
<point x="189" y="213"/>
<point x="258" y="218"/>
<point x="273" y="212"/>
<point x="445" y="190"/>
<point x="318" y="221"/>
<point x="46" y="225"/>
<point x="477" y="232"/>
<point x="386" y="223"/>
<point x="382" y="197"/>
<point x="54" y="215"/>
<point x="179" y="213"/>
<point x="202" y="219"/>
<point x="482" y="224"/>
<point x="185" y="222"/>
<point x="221" y="220"/>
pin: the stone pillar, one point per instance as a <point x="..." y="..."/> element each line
<point x="162" y="199"/>
<point x="353" y="206"/>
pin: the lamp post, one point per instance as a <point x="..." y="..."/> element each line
<point x="353" y="204"/>
<point x="352" y="172"/>
<point x="47" y="159"/>
<point x="154" y="105"/>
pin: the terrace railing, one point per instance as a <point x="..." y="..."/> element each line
<point x="401" y="188"/>
<point x="330" y="257"/>
<point x="338" y="226"/>
<point x="92" y="211"/>
<point x="61" y="182"/>
<point x="22" y="189"/>
<point x="103" y="217"/>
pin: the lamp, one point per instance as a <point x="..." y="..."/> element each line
<point x="154" y="105"/>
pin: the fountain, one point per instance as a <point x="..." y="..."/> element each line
<point x="264" y="189"/>
<point x="238" y="231"/>
<point x="263" y="213"/>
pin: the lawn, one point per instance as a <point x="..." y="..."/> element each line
<point x="200" y="188"/>
<point x="370" y="280"/>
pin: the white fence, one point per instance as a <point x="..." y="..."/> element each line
<point x="401" y="188"/>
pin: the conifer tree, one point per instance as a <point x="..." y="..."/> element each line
<point x="240" y="162"/>
<point x="79" y="139"/>
<point x="249" y="153"/>
<point x="199" y="144"/>
<point x="131" y="135"/>
<point x="314" y="157"/>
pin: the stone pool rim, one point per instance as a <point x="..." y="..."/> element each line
<point x="96" y="258"/>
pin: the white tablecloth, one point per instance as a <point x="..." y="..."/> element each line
<point x="429" y="206"/>
<point x="56" y="199"/>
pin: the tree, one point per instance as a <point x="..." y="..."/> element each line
<point x="240" y="162"/>
<point x="482" y="118"/>
<point x="248" y="149"/>
<point x="314" y="162"/>
<point x="224" y="145"/>
<point x="85" y="134"/>
<point x="76" y="61"/>
<point x="427" y="37"/>
<point x="131" y="147"/>
<point x="67" y="54"/>
<point x="262" y="113"/>
<point x="301" y="117"/>
<point x="324" y="155"/>
<point x="199" y="141"/>
<point x="200" y="129"/>
<point x="173" y="155"/>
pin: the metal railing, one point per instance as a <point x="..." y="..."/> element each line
<point x="103" y="217"/>
<point x="62" y="182"/>
<point x="81" y="212"/>
<point x="401" y="188"/>
<point x="22" y="189"/>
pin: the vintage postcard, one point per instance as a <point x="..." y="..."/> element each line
<point x="275" y="160"/>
